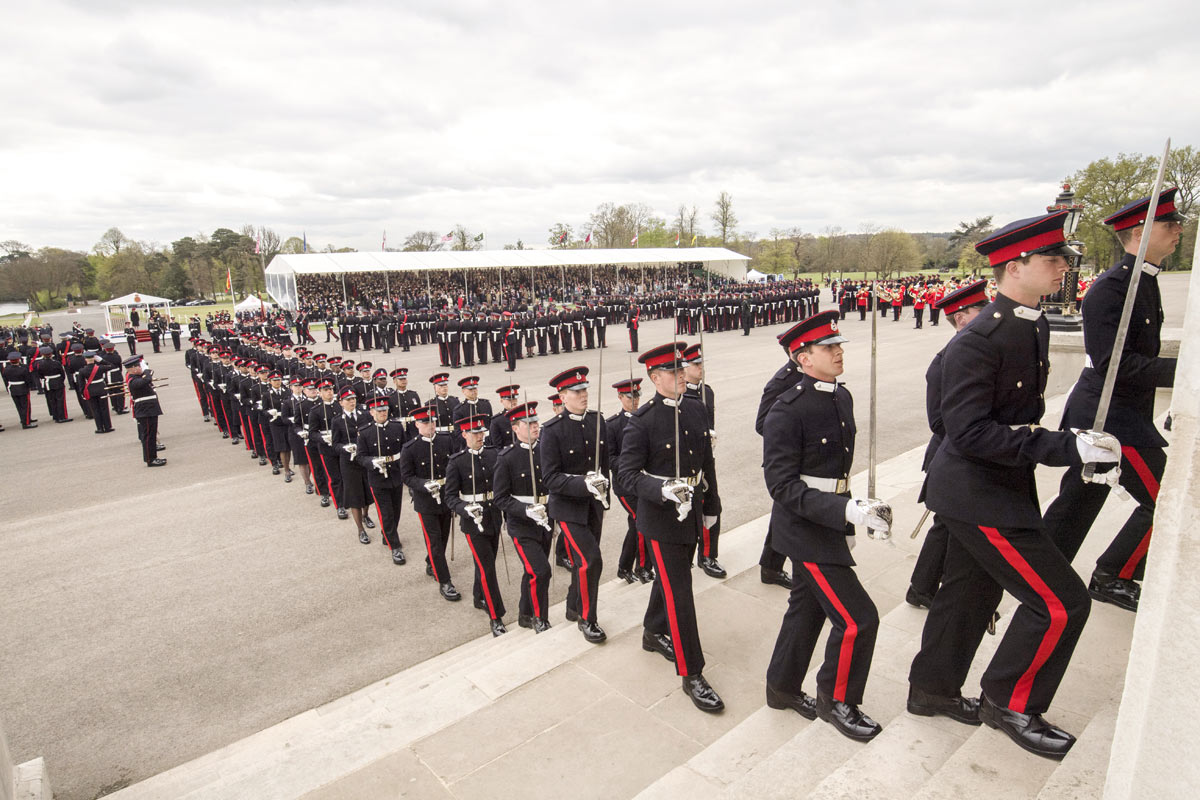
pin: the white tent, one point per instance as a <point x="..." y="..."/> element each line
<point x="253" y="303"/>
<point x="754" y="276"/>
<point x="130" y="301"/>
<point x="283" y="269"/>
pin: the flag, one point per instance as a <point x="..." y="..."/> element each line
<point x="229" y="281"/>
<point x="479" y="238"/>
<point x="448" y="236"/>
<point x="694" y="239"/>
<point x="677" y="240"/>
<point x="588" y="240"/>
<point x="634" y="239"/>
<point x="385" y="241"/>
<point x="305" y="235"/>
<point x="258" y="245"/>
<point x="562" y="237"/>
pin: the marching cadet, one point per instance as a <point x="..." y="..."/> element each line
<point x="193" y="360"/>
<point x="808" y="447"/>
<point x="423" y="469"/>
<point x="442" y="403"/>
<point x="146" y="409"/>
<point x="378" y="387"/>
<point x="469" y="479"/>
<point x="575" y="468"/>
<point x="981" y="484"/>
<point x="315" y="478"/>
<point x="517" y="483"/>
<point x="320" y="430"/>
<point x="633" y="548"/>
<point x="1131" y="417"/>
<point x="699" y="390"/>
<point x="273" y="399"/>
<point x="562" y="557"/>
<point x="176" y="332"/>
<point x="961" y="307"/>
<point x="512" y="341"/>
<point x="293" y="415"/>
<point x="771" y="561"/>
<point x="73" y="362"/>
<point x="131" y="338"/>
<point x="632" y="321"/>
<point x="470" y="405"/>
<point x="354" y="477"/>
<point x="667" y="437"/>
<point x="53" y="378"/>
<point x="407" y="400"/>
<point x="92" y="382"/>
<point x="155" y="328"/>
<point x="500" y="429"/>
<point x="379" y="447"/>
<point x="18" y="379"/>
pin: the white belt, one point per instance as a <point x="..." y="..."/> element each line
<point x="835" y="485"/>
<point x="477" y="498"/>
<point x="147" y="397"/>
<point x="690" y="480"/>
<point x="16" y="383"/>
<point x="444" y="429"/>
<point x="531" y="500"/>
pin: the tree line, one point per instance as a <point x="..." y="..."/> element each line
<point x="198" y="265"/>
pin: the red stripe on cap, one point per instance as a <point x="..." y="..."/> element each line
<point x="1012" y="251"/>
<point x="666" y="358"/>
<point x="808" y="337"/>
<point x="974" y="298"/>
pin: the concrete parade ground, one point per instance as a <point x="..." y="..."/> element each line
<point x="153" y="616"/>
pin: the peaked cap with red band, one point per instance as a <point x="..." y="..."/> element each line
<point x="628" y="386"/>
<point x="365" y="365"/>
<point x="1134" y="214"/>
<point x="526" y="412"/>
<point x="508" y="391"/>
<point x="1044" y="235"/>
<point x="378" y="402"/>
<point x="692" y="355"/>
<point x="399" y="372"/>
<point x="347" y="391"/>
<point x="440" y="378"/>
<point x="424" y="414"/>
<point x="818" y="329"/>
<point x="665" y="356"/>
<point x="326" y="384"/>
<point x="555" y="399"/>
<point x="474" y="424"/>
<point x="973" y="294"/>
<point x="469" y="382"/>
<point x="573" y="378"/>
<point x="379" y="373"/>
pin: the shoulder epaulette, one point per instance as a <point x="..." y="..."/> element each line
<point x="551" y="421"/>
<point x="646" y="406"/>
<point x="791" y="394"/>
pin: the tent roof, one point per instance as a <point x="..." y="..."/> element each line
<point x="135" y="299"/>
<point x="253" y="302"/>
<point x="715" y="258"/>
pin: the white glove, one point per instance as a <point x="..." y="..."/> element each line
<point x="1097" y="447"/>
<point x="434" y="488"/>
<point x="850" y="541"/>
<point x="275" y="413"/>
<point x="709" y="521"/>
<point x="537" y="513"/>
<point x="352" y="449"/>
<point x="677" y="491"/>
<point x="237" y="396"/>
<point x="875" y="514"/>
<point x="223" y="386"/>
<point x="712" y="437"/>
<point x="475" y="512"/>
<point x="303" y="435"/>
<point x="378" y="463"/>
<point x="597" y="484"/>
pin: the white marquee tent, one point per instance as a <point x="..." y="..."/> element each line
<point x="126" y="302"/>
<point x="283" y="269"/>
<point x="253" y="303"/>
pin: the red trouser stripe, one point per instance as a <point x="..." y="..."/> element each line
<point x="328" y="477"/>
<point x="428" y="547"/>
<point x="483" y="576"/>
<point x="1058" y="616"/>
<point x="847" y="649"/>
<point x="537" y="611"/>
<point x="379" y="513"/>
<point x="581" y="568"/>
<point x="707" y="541"/>
<point x="1148" y="480"/>
<point x="669" y="597"/>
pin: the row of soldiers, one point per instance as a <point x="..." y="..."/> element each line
<point x="89" y="369"/>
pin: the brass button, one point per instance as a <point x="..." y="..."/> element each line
<point x="1018" y="384"/>
<point x="996" y="315"/>
<point x="824" y="441"/>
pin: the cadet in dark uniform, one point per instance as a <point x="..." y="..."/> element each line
<point x="176" y="332"/>
<point x="407" y="400"/>
<point x="273" y="399"/>
<point x="469" y="476"/>
<point x="146" y="409"/>
<point x="512" y="341"/>
<point x="53" y="378"/>
<point x="379" y="447"/>
<point x="115" y="378"/>
<point x="961" y="307"/>
<point x="698" y="390"/>
<point x="633" y="563"/>
<point x="500" y="429"/>
<point x="346" y="426"/>
<point x="442" y="403"/>
<point x="18" y="379"/>
<point x="423" y="469"/>
<point x="575" y="469"/>
<point x="1131" y="416"/>
<point x="667" y="464"/>
<point x="320" y="437"/>
<point x="632" y="322"/>
<point x="470" y="405"/>
<point x="771" y="561"/>
<point x="519" y="493"/>
<point x="808" y="447"/>
<point x="981" y="484"/>
<point x="93" y="384"/>
<point x="131" y="338"/>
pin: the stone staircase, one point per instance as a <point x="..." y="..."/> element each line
<point x="524" y="714"/>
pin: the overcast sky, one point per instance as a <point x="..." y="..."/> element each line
<point x="342" y="120"/>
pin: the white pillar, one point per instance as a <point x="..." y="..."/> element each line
<point x="1153" y="748"/>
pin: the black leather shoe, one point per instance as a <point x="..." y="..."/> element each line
<point x="262" y="462"/>
<point x="572" y="616"/>
<point x="428" y="569"/>
<point x="287" y="476"/>
<point x="802" y="704"/>
<point x="712" y="567"/>
<point x="540" y="625"/>
<point x="158" y="448"/>
<point x="236" y="441"/>
<point x="659" y="643"/>
<point x="626" y="576"/>
<point x="1029" y="731"/>
<point x="644" y="574"/>
<point x="398" y="557"/>
<point x="480" y="604"/>
<point x="309" y="488"/>
<point x="592" y="632"/>
<point x="775" y="576"/>
<point x="450" y="593"/>
<point x="343" y="514"/>
<point x="564" y="562"/>
<point x="274" y="470"/>
<point x="498" y="628"/>
<point x="847" y="718"/>
<point x="525" y="620"/>
<point x="959" y="708"/>
<point x="1120" y="592"/>
<point x="30" y="425"/>
<point x="158" y="462"/>
<point x="324" y="501"/>
<point x="223" y="435"/>
<point x="362" y="536"/>
<point x="367" y="522"/>
<point x="703" y="696"/>
<point x="918" y="599"/>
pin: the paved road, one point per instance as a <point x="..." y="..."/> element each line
<point x="151" y="616"/>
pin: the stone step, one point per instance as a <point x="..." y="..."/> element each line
<point x="1082" y="773"/>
